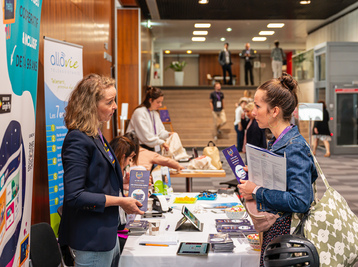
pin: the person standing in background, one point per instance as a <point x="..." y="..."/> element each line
<point x="239" y="115"/>
<point x="225" y="62"/>
<point x="277" y="57"/>
<point x="248" y="56"/>
<point x="321" y="131"/>
<point x="217" y="109"/>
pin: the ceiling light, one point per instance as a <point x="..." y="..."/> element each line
<point x="305" y="2"/>
<point x="198" y="39"/>
<point x="200" y="32"/>
<point x="228" y="29"/>
<point x="203" y="1"/>
<point x="189" y="51"/>
<point x="259" y="39"/>
<point x="167" y="51"/>
<point x="266" y="32"/>
<point x="275" y="25"/>
<point x="222" y="39"/>
<point x="202" y="25"/>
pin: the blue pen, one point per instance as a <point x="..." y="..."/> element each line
<point x="166" y="229"/>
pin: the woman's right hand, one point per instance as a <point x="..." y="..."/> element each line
<point x="166" y="146"/>
<point x="130" y="205"/>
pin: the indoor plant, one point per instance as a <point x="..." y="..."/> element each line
<point x="178" y="67"/>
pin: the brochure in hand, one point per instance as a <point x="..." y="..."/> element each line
<point x="221" y="242"/>
<point x="138" y="187"/>
<point x="266" y="168"/>
<point x="236" y="163"/>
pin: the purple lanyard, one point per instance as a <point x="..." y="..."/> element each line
<point x="218" y="96"/>
<point x="105" y="146"/>
<point x="153" y="120"/>
<point x="283" y="133"/>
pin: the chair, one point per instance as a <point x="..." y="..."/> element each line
<point x="44" y="249"/>
<point x="165" y="118"/>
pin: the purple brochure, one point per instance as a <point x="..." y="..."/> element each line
<point x="236" y="163"/>
<point x="138" y="187"/>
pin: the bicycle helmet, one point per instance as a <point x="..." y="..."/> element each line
<point x="291" y="250"/>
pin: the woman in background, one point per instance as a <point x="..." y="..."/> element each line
<point x="275" y="100"/>
<point x="93" y="184"/>
<point x="239" y="115"/>
<point x="146" y="122"/>
<point x="254" y="135"/>
<point x="321" y="131"/>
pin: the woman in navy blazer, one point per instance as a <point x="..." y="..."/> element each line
<point x="93" y="183"/>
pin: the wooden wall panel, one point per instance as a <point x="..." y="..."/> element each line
<point x="85" y="22"/>
<point x="209" y="64"/>
<point x="128" y="58"/>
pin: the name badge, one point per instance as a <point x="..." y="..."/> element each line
<point x="218" y="104"/>
<point x="157" y="148"/>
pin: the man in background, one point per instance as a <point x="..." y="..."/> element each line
<point x="217" y="109"/>
<point x="277" y="57"/>
<point x="225" y="62"/>
<point x="248" y="55"/>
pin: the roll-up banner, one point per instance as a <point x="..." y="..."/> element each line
<point x="63" y="69"/>
<point x="19" y="53"/>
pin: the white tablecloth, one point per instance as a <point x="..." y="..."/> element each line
<point x="152" y="256"/>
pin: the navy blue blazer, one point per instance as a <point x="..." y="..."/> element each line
<point x="89" y="175"/>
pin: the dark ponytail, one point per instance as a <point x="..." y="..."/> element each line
<point x="281" y="92"/>
<point x="151" y="93"/>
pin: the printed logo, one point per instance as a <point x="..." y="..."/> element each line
<point x="139" y="175"/>
<point x="230" y="152"/>
<point x="59" y="59"/>
<point x="5" y="104"/>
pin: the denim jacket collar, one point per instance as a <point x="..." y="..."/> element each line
<point x="292" y="133"/>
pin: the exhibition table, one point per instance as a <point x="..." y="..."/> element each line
<point x="190" y="174"/>
<point x="155" y="256"/>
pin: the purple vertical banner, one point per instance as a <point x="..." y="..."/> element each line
<point x="236" y="163"/>
<point x="138" y="187"/>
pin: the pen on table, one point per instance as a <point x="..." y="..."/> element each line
<point x="159" y="245"/>
<point x="166" y="229"/>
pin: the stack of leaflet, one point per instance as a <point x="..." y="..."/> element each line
<point x="137" y="227"/>
<point x="221" y="242"/>
<point x="235" y="228"/>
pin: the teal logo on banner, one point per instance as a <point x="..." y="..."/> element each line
<point x="22" y="44"/>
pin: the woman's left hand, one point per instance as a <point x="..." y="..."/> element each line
<point x="246" y="188"/>
<point x="166" y="147"/>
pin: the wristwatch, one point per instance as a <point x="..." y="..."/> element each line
<point x="254" y="192"/>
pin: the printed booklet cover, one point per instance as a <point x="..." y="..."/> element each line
<point x="236" y="163"/>
<point x="138" y="187"/>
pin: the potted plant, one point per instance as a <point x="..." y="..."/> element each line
<point x="178" y="67"/>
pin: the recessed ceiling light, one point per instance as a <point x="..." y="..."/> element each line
<point x="228" y="29"/>
<point x="266" y="32"/>
<point x="189" y="51"/>
<point x="167" y="51"/>
<point x="222" y="39"/>
<point x="202" y="25"/>
<point x="200" y="32"/>
<point x="198" y="39"/>
<point x="305" y="2"/>
<point x="203" y="1"/>
<point x="259" y="39"/>
<point x="275" y="25"/>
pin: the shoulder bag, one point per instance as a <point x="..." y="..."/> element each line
<point x="331" y="226"/>
<point x="212" y="151"/>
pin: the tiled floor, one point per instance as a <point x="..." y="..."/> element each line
<point x="341" y="172"/>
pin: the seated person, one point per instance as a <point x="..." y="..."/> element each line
<point x="147" y="158"/>
<point x="147" y="124"/>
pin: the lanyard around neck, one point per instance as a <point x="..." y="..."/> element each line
<point x="153" y="120"/>
<point x="283" y="133"/>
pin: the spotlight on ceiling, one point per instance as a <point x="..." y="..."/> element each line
<point x="203" y="1"/>
<point x="259" y="39"/>
<point x="266" y="32"/>
<point x="167" y="51"/>
<point x="198" y="39"/>
<point x="200" y="32"/>
<point x="202" y="25"/>
<point x="275" y="25"/>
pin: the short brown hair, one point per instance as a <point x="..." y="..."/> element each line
<point x="281" y="92"/>
<point x="81" y="110"/>
<point x="122" y="146"/>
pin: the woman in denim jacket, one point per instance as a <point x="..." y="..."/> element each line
<point x="275" y="100"/>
